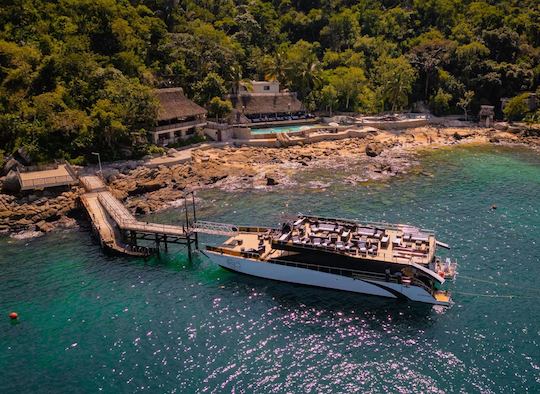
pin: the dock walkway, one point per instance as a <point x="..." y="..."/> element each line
<point x="119" y="230"/>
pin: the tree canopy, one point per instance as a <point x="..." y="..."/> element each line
<point x="78" y="75"/>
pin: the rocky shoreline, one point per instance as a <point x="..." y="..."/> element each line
<point x="379" y="155"/>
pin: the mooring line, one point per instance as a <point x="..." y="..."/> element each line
<point x="497" y="283"/>
<point x="492" y="295"/>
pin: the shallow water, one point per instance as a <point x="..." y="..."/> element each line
<point x="92" y="322"/>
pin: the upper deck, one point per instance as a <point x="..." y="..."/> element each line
<point x="371" y="241"/>
<point x="399" y="244"/>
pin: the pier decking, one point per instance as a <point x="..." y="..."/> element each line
<point x="120" y="231"/>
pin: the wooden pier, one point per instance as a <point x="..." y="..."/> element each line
<point x="120" y="231"/>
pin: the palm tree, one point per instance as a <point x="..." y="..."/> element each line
<point x="237" y="80"/>
<point x="275" y="68"/>
<point x="310" y="77"/>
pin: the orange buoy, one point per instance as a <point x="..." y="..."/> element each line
<point x="13" y="315"/>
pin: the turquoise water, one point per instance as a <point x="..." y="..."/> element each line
<point x="280" y="129"/>
<point x="90" y="322"/>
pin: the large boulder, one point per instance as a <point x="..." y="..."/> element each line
<point x="374" y="149"/>
<point x="147" y="187"/>
<point x="23" y="156"/>
<point x="11" y="164"/>
<point x="110" y="174"/>
<point x="11" y="183"/>
<point x="172" y="152"/>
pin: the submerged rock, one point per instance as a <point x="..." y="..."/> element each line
<point x="26" y="235"/>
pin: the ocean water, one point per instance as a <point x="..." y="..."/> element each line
<point x="91" y="322"/>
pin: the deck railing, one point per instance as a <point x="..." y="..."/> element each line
<point x="180" y="125"/>
<point x="126" y="221"/>
<point x="390" y="226"/>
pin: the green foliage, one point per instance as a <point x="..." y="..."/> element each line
<point x="78" y="161"/>
<point x="441" y="102"/>
<point x="396" y="78"/>
<point x="349" y="82"/>
<point x="155" y="150"/>
<point x="77" y="75"/>
<point x="218" y="108"/>
<point x="516" y="108"/>
<point x="211" y="86"/>
<point x="189" y="141"/>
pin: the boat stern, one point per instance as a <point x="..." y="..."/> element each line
<point x="442" y="297"/>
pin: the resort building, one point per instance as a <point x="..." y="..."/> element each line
<point x="260" y="87"/>
<point x="262" y="102"/>
<point x="178" y="117"/>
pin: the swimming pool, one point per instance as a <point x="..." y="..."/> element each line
<point x="282" y="129"/>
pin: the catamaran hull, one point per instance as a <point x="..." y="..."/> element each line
<point x="309" y="277"/>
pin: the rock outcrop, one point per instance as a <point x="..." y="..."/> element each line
<point x="374" y="149"/>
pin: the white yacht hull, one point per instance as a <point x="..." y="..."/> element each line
<point x="309" y="277"/>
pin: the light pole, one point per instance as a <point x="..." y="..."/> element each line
<point x="99" y="163"/>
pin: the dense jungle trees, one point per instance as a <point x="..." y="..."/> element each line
<point x="77" y="75"/>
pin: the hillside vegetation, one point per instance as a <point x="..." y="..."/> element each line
<point x="77" y="75"/>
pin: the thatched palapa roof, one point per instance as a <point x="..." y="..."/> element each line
<point x="265" y="103"/>
<point x="173" y="104"/>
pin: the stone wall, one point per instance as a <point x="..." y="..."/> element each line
<point x="398" y="124"/>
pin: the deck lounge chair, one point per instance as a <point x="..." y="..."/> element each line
<point x="366" y="231"/>
<point x="284" y="237"/>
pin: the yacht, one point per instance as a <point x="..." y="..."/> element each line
<point x="388" y="260"/>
